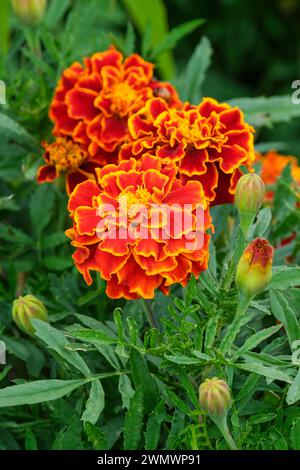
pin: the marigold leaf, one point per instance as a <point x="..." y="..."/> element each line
<point x="134" y="421"/>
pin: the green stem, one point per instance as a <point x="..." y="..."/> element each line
<point x="221" y="423"/>
<point x="243" y="304"/>
<point x="149" y="313"/>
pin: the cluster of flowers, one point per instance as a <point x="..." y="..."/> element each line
<point x="125" y="141"/>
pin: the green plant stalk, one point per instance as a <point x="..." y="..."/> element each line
<point x="149" y="314"/>
<point x="222" y="425"/>
<point x="236" y="253"/>
<point x="243" y="304"/>
<point x="246" y="220"/>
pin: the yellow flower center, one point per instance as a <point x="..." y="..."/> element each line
<point x="133" y="202"/>
<point x="191" y="129"/>
<point x="122" y="97"/>
<point x="66" y="155"/>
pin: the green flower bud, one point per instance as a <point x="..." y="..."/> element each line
<point x="249" y="197"/>
<point x="254" y="270"/>
<point x="29" y="12"/>
<point x="215" y="398"/>
<point x="25" y="308"/>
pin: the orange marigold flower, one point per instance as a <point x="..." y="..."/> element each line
<point x="92" y="102"/>
<point x="273" y="164"/>
<point x="64" y="156"/>
<point x="140" y="227"/>
<point x="208" y="142"/>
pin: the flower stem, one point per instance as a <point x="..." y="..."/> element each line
<point x="223" y="427"/>
<point x="242" y="305"/>
<point x="149" y="313"/>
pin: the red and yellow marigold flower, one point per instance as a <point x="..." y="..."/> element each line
<point x="126" y="227"/>
<point x="92" y="102"/>
<point x="208" y="142"/>
<point x="273" y="164"/>
<point x="64" y="156"/>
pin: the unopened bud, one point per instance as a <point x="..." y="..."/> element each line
<point x="215" y="398"/>
<point x="254" y="270"/>
<point x="249" y="197"/>
<point x="28" y="307"/>
<point x="29" y="12"/>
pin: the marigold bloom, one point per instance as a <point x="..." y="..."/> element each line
<point x="64" y="156"/>
<point x="92" y="102"/>
<point x="121" y="229"/>
<point x="208" y="142"/>
<point x="273" y="164"/>
<point x="254" y="270"/>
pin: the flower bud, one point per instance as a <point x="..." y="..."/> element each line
<point x="249" y="197"/>
<point x="254" y="270"/>
<point x="29" y="12"/>
<point x="25" y="308"/>
<point x="215" y="398"/>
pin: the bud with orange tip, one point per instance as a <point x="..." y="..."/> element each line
<point x="28" y="307"/>
<point x="254" y="270"/>
<point x="249" y="197"/>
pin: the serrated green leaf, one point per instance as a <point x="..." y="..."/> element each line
<point x="38" y="391"/>
<point x="144" y="12"/>
<point x="95" y="403"/>
<point x="182" y="360"/>
<point x="55" y="12"/>
<point x="12" y="129"/>
<point x="54" y="240"/>
<point x="14" y="235"/>
<point x="134" y="421"/>
<point x="152" y="432"/>
<point x="180" y="404"/>
<point x="129" y="43"/>
<point x="56" y="341"/>
<point x="284" y="313"/>
<point x="265" y="111"/>
<point x="125" y="390"/>
<point x="7" y="203"/>
<point x="232" y="332"/>
<point x="193" y="78"/>
<point x="295" y="434"/>
<point x="270" y="372"/>
<point x="262" y="223"/>
<point x="255" y="340"/>
<point x="69" y="438"/>
<point x="210" y="332"/>
<point x="91" y="336"/>
<point x="293" y="394"/>
<point x="176" y="429"/>
<point x="54" y="263"/>
<point x="41" y="205"/>
<point x="141" y="377"/>
<point x="284" y="277"/>
<point x="30" y="440"/>
<point x="189" y="388"/>
<point x="279" y="441"/>
<point x="171" y="39"/>
<point x="96" y="437"/>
